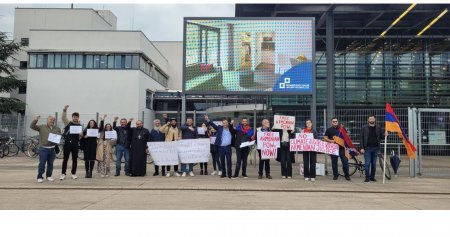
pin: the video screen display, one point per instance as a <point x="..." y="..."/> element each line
<point x="264" y="56"/>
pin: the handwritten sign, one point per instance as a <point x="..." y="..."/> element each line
<point x="268" y="143"/>
<point x="193" y="150"/>
<point x="305" y="144"/>
<point x="212" y="140"/>
<point x="55" y="138"/>
<point x="75" y="129"/>
<point x="200" y="131"/>
<point x="304" y="136"/>
<point x="163" y="153"/>
<point x="284" y="122"/>
<point x="110" y="134"/>
<point x="245" y="144"/>
<point x="92" y="132"/>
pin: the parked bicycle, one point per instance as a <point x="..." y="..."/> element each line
<point x="354" y="164"/>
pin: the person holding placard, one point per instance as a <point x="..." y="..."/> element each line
<point x="188" y="131"/>
<point x="224" y="138"/>
<point x="49" y="136"/>
<point x="139" y="138"/>
<point x="72" y="135"/>
<point x="173" y="133"/>
<point x="157" y="136"/>
<point x="202" y="134"/>
<point x="244" y="133"/>
<point x="310" y="157"/>
<point x="265" y="127"/>
<point x="104" y="148"/>
<point x="211" y="133"/>
<point x="284" y="155"/>
<point x="122" y="145"/>
<point x="90" y="135"/>
<point x="329" y="134"/>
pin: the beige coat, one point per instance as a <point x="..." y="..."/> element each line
<point x="109" y="148"/>
<point x="171" y="132"/>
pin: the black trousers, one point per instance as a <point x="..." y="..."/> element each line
<point x="309" y="164"/>
<point x="204" y="164"/>
<point x="175" y="168"/>
<point x="241" y="154"/>
<point x="286" y="163"/>
<point x="67" y="149"/>
<point x="263" y="163"/>
<point x="157" y="169"/>
<point x="90" y="152"/>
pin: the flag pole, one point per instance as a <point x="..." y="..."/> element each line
<point x="384" y="160"/>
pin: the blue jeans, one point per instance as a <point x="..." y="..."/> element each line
<point x="370" y="159"/>
<point x="183" y="167"/>
<point x="225" y="151"/>
<point x="334" y="164"/>
<point x="46" y="155"/>
<point x="122" y="151"/>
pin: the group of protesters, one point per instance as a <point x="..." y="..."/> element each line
<point x="131" y="143"/>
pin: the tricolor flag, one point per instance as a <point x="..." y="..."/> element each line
<point x="343" y="140"/>
<point x="393" y="125"/>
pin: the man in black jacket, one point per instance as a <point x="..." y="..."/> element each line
<point x="123" y="145"/>
<point x="157" y="136"/>
<point x="71" y="142"/>
<point x="371" y="136"/>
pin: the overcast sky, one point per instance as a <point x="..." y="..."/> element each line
<point x="160" y="22"/>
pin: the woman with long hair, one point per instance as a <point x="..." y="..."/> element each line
<point x="104" y="149"/>
<point x="310" y="157"/>
<point x="90" y="149"/>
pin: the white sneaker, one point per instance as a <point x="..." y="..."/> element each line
<point x="177" y="174"/>
<point x="184" y="174"/>
<point x="283" y="177"/>
<point x="289" y="177"/>
<point x="168" y="174"/>
<point x="40" y="180"/>
<point x="102" y="176"/>
<point x="213" y="173"/>
<point x="306" y="179"/>
<point x="106" y="176"/>
<point x="313" y="179"/>
<point x="63" y="176"/>
<point x="50" y="179"/>
<point x="74" y="176"/>
<point x="220" y="173"/>
<point x="191" y="174"/>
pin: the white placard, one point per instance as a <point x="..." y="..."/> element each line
<point x="320" y="169"/>
<point x="218" y="123"/>
<point x="437" y="137"/>
<point x="245" y="144"/>
<point x="163" y="153"/>
<point x="75" y="129"/>
<point x="92" y="132"/>
<point x="303" y="144"/>
<point x="200" y="131"/>
<point x="284" y="122"/>
<point x="55" y="138"/>
<point x="304" y="135"/>
<point x="193" y="150"/>
<point x="110" y="134"/>
<point x="268" y="137"/>
<point x="212" y="140"/>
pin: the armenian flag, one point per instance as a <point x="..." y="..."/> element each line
<point x="393" y="125"/>
<point x="343" y="140"/>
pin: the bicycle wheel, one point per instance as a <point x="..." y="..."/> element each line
<point x="32" y="151"/>
<point x="13" y="149"/>
<point x="59" y="155"/>
<point x="388" y="169"/>
<point x="5" y="150"/>
<point x="149" y="159"/>
<point x="352" y="167"/>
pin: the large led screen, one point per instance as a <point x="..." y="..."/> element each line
<point x="239" y="55"/>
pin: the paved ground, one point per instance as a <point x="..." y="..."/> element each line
<point x="19" y="190"/>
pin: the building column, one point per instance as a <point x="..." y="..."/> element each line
<point x="330" y="67"/>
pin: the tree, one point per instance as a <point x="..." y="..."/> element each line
<point x="9" y="81"/>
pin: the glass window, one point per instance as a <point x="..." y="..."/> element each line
<point x="50" y="61"/>
<point x="64" y="61"/>
<point x="135" y="62"/>
<point x="32" y="60"/>
<point x="148" y="100"/>
<point x="89" y="61"/>
<point x="128" y="61"/>
<point x="23" y="64"/>
<point x="96" y="61"/>
<point x="103" y="61"/>
<point x="79" y="61"/>
<point x="23" y="88"/>
<point x="57" y="60"/>
<point x="72" y="61"/>
<point x="111" y="61"/>
<point x="24" y="41"/>
<point x="40" y="61"/>
<point x="118" y="61"/>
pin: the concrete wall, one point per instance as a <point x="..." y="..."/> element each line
<point x="173" y="51"/>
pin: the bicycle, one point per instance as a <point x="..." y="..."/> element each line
<point x="354" y="164"/>
<point x="10" y="147"/>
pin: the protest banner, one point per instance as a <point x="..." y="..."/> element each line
<point x="193" y="150"/>
<point x="284" y="122"/>
<point x="304" y="135"/>
<point x="268" y="142"/>
<point x="164" y="153"/>
<point x="305" y="144"/>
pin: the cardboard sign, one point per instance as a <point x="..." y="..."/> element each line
<point x="193" y="150"/>
<point x="317" y="145"/>
<point x="268" y="143"/>
<point x="93" y="132"/>
<point x="284" y="122"/>
<point x="75" y="129"/>
<point x="163" y="153"/>
<point x="304" y="135"/>
<point x="55" y="138"/>
<point x="110" y="134"/>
